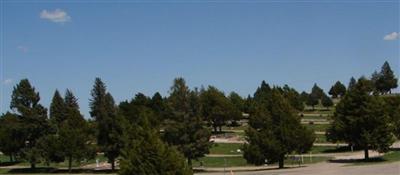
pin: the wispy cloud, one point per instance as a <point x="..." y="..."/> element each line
<point x="391" y="36"/>
<point x="23" y="48"/>
<point x="57" y="16"/>
<point x="7" y="81"/>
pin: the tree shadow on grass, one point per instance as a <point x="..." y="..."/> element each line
<point x="370" y="160"/>
<point x="9" y="163"/>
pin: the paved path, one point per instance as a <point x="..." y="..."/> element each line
<point x="325" y="168"/>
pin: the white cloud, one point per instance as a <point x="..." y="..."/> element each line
<point x="7" y="81"/>
<point x="57" y="16"/>
<point x="23" y="48"/>
<point x="391" y="36"/>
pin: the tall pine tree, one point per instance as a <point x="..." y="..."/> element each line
<point x="186" y="129"/>
<point x="33" y="117"/>
<point x="109" y="129"/>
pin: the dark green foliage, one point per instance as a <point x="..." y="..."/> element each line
<point x="33" y="117"/>
<point x="260" y="96"/>
<point x="11" y="135"/>
<point x="275" y="131"/>
<point x="57" y="107"/>
<point x="145" y="153"/>
<point x="312" y="100"/>
<point x="352" y="83"/>
<point x="304" y="96"/>
<point x="294" y="97"/>
<point x="361" y="120"/>
<point x="238" y="106"/>
<point x="74" y="132"/>
<point x="155" y="109"/>
<point x="337" y="90"/>
<point x="317" y="91"/>
<point x="108" y="122"/>
<point x="326" y="101"/>
<point x="392" y="104"/>
<point x="216" y="108"/>
<point x="185" y="128"/>
<point x="385" y="80"/>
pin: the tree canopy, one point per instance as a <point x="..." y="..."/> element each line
<point x="361" y="120"/>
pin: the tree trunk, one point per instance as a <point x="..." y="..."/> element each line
<point x="215" y="129"/>
<point x="366" y="154"/>
<point x="113" y="164"/>
<point x="281" y="162"/>
<point x="33" y="165"/>
<point x="313" y="107"/>
<point x="69" y="164"/>
<point x="11" y="158"/>
<point x="190" y="162"/>
<point x="220" y="128"/>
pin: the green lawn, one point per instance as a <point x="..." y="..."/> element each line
<point x="4" y="159"/>
<point x="391" y="156"/>
<point x="221" y="162"/>
<point x="226" y="148"/>
<point x="329" y="149"/>
<point x="240" y="161"/>
<point x="318" y="127"/>
<point x="320" y="138"/>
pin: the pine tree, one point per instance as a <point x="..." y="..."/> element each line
<point x="326" y="101"/>
<point x="352" y="83"/>
<point x="145" y="153"/>
<point x="215" y="107"/>
<point x="385" y="80"/>
<point x="11" y="135"/>
<point x="109" y="128"/>
<point x="186" y="129"/>
<point x="33" y="117"/>
<point x="57" y="107"/>
<point x="361" y="120"/>
<point x="337" y="90"/>
<point x="74" y="132"/>
<point x="275" y="131"/>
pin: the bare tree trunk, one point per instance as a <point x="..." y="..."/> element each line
<point x="281" y="161"/>
<point x="113" y="164"/>
<point x="366" y="154"/>
<point x="70" y="164"/>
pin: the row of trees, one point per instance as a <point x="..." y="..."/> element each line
<point x="156" y="134"/>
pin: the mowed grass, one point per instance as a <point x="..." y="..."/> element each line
<point x="329" y="149"/>
<point x="5" y="161"/>
<point x="226" y="148"/>
<point x="389" y="157"/>
<point x="318" y="127"/>
<point x="240" y="161"/>
<point x="220" y="162"/>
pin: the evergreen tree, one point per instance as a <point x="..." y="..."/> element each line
<point x="294" y="97"/>
<point x="109" y="128"/>
<point x="11" y="135"/>
<point x="57" y="107"/>
<point x="361" y="120"/>
<point x="326" y="101"/>
<point x="237" y="106"/>
<point x="215" y="107"/>
<point x="74" y="132"/>
<point x="275" y="131"/>
<point x="352" y="83"/>
<point x="337" y="90"/>
<point x="317" y="91"/>
<point x="312" y="100"/>
<point x="304" y="96"/>
<point x="186" y="129"/>
<point x="385" y="81"/>
<point x="145" y="153"/>
<point x="33" y="117"/>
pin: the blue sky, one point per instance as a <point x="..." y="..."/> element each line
<point x="233" y="45"/>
